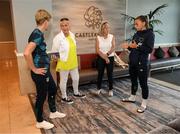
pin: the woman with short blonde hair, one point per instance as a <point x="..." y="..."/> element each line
<point x="39" y="63"/>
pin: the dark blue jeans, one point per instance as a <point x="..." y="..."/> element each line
<point x="45" y="85"/>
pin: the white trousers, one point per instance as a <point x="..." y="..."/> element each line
<point x="64" y="78"/>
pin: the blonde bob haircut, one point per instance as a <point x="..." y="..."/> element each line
<point x="41" y="16"/>
<point x="102" y="27"/>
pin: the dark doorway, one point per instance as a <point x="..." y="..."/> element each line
<point x="7" y="42"/>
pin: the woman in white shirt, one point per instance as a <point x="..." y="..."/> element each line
<point x="105" y="45"/>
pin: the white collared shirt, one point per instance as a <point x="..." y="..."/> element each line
<point x="61" y="45"/>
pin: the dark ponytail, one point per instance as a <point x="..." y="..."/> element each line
<point x="143" y="19"/>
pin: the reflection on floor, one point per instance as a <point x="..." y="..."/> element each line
<point x="102" y="114"/>
<point x="16" y="115"/>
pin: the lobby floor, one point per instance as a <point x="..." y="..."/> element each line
<point x="101" y="114"/>
<point x="95" y="114"/>
<point x="16" y="114"/>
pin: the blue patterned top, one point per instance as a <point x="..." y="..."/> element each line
<point x="40" y="57"/>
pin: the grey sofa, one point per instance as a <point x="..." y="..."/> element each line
<point x="166" y="63"/>
<point x="171" y="128"/>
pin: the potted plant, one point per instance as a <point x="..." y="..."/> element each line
<point x="151" y="16"/>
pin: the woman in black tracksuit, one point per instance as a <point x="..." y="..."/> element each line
<point x="140" y="48"/>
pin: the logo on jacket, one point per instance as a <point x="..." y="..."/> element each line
<point x="140" y="41"/>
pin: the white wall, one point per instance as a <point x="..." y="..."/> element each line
<point x="24" y="21"/>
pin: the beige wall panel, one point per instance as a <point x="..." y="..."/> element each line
<point x="26" y="84"/>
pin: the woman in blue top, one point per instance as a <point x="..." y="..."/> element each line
<point x="39" y="63"/>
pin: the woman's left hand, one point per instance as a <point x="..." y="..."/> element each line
<point x="124" y="45"/>
<point x="107" y="61"/>
<point x="133" y="45"/>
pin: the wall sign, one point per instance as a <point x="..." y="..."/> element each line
<point x="86" y="17"/>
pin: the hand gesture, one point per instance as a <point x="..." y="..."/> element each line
<point x="124" y="45"/>
<point x="41" y="71"/>
<point x="107" y="61"/>
<point x="133" y="44"/>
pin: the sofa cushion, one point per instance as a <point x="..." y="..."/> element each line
<point x="163" y="130"/>
<point x="159" y="53"/>
<point x="173" y="52"/>
<point x="178" y="48"/>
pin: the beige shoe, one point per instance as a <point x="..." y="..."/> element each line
<point x="141" y="109"/>
<point x="110" y="93"/>
<point x="98" y="91"/>
<point x="56" y="115"/>
<point x="131" y="99"/>
<point x="44" y="125"/>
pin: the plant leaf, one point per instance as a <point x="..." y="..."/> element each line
<point x="128" y="17"/>
<point x="159" y="32"/>
<point x="155" y="22"/>
<point x="151" y="26"/>
<point x="157" y="11"/>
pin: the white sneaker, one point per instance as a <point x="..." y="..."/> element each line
<point x="110" y="93"/>
<point x="56" y="115"/>
<point x="98" y="91"/>
<point x="141" y="109"/>
<point x="44" y="125"/>
<point x="132" y="99"/>
<point x="143" y="106"/>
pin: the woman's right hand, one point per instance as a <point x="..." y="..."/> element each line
<point x="41" y="71"/>
<point x="104" y="56"/>
<point x="124" y="45"/>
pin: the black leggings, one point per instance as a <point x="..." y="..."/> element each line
<point x="44" y="85"/>
<point x="139" y="72"/>
<point x="101" y="65"/>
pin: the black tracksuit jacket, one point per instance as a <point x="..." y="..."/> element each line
<point x="145" y="41"/>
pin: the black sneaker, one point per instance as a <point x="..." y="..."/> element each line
<point x="79" y="95"/>
<point x="66" y="100"/>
